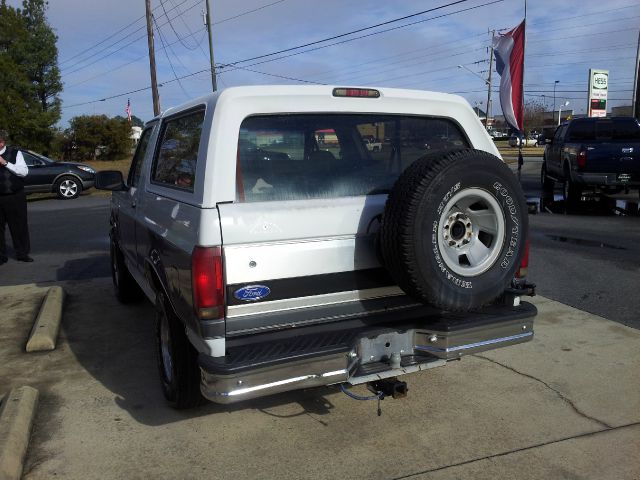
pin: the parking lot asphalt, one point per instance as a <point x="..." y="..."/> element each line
<point x="566" y="405"/>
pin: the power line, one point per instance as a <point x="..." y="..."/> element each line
<point x="258" y="57"/>
<point x="234" y="66"/>
<point x="248" y="12"/>
<point x="175" y="7"/>
<point x="82" y="60"/>
<point x="173" y="28"/>
<point x="167" y="55"/>
<point x="117" y="50"/>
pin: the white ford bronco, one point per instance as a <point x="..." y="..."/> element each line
<point x="281" y="253"/>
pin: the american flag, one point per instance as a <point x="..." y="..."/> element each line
<point x="128" y="109"/>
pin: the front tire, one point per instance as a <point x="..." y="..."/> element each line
<point x="453" y="229"/>
<point x="68" y="188"/>
<point x="176" y="358"/>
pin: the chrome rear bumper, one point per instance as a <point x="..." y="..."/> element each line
<point x="370" y="356"/>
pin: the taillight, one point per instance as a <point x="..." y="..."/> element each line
<point x="582" y="158"/>
<point x="524" y="264"/>
<point x="207" y="282"/>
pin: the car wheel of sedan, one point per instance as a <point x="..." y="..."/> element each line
<point x="68" y="187"/>
<point x="177" y="359"/>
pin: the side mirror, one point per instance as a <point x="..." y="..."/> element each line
<point x="110" y="180"/>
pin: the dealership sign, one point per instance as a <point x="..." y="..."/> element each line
<point x="598" y="87"/>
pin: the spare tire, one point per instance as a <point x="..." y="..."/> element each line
<point x="453" y="229"/>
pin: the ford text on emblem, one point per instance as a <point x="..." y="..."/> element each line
<point x="252" y="293"/>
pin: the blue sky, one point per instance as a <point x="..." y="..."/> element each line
<point x="103" y="48"/>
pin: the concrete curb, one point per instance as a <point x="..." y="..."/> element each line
<point x="45" y="329"/>
<point x="16" y="420"/>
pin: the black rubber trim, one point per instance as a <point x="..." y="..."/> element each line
<point x="269" y="349"/>
<point x="316" y="284"/>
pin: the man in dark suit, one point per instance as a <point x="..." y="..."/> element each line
<point x="13" y="201"/>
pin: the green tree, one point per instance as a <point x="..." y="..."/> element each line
<point x="135" y="121"/>
<point x="29" y="76"/>
<point x="94" y="136"/>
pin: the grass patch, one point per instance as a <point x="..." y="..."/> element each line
<point x="122" y="165"/>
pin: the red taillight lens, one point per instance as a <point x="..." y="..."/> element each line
<point x="524" y="264"/>
<point x="207" y="282"/>
<point x="582" y="158"/>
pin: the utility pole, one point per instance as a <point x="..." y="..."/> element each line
<point x="488" y="112"/>
<point x="214" y="85"/>
<point x="636" y="84"/>
<point x="152" y="61"/>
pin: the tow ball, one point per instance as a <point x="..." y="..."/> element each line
<point x="389" y="387"/>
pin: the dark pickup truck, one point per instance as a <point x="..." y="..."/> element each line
<point x="593" y="153"/>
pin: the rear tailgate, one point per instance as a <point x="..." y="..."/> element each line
<point x="622" y="157"/>
<point x="309" y="262"/>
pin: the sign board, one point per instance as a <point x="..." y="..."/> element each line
<point x="598" y="88"/>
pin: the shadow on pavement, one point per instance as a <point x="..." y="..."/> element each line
<point x="595" y="205"/>
<point x="115" y="344"/>
<point x="85" y="268"/>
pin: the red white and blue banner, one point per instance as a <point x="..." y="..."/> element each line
<point x="509" y="50"/>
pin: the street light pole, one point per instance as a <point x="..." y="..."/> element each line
<point x="554" y="98"/>
<point x="560" y="110"/>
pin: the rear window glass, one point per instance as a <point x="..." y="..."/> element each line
<point x="626" y="129"/>
<point x="177" y="156"/>
<point x="294" y="157"/>
<point x="582" y="131"/>
<point x="605" y="129"/>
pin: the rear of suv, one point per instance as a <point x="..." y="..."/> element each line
<point x="282" y="253"/>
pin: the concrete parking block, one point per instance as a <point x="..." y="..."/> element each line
<point x="18" y="409"/>
<point x="44" y="334"/>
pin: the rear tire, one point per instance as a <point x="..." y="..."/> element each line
<point x="547" y="183"/>
<point x="126" y="288"/>
<point x="453" y="230"/>
<point x="177" y="359"/>
<point x="571" y="191"/>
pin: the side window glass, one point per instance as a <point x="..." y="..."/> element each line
<point x="30" y="160"/>
<point x="138" y="158"/>
<point x="177" y="155"/>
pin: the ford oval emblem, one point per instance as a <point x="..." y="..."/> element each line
<point x="252" y="293"/>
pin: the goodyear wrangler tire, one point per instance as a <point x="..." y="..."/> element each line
<point x="453" y="230"/>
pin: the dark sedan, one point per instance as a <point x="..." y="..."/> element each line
<point x="66" y="179"/>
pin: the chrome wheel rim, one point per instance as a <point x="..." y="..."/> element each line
<point x="68" y="188"/>
<point x="165" y="349"/>
<point x="471" y="232"/>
